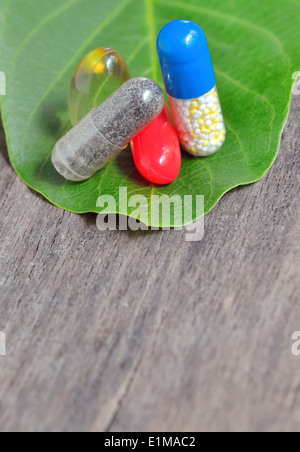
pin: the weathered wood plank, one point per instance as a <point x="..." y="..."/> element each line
<point x="143" y="332"/>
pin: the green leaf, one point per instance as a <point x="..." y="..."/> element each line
<point x="255" y="49"/>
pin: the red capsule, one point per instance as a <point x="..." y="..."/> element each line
<point x="156" y="150"/>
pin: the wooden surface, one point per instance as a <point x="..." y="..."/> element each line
<point x="122" y="331"/>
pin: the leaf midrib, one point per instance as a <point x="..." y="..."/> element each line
<point x="75" y="58"/>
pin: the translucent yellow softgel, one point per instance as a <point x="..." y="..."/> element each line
<point x="96" y="77"/>
<point x="200" y="123"/>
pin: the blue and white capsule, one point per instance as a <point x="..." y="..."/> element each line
<point x="190" y="82"/>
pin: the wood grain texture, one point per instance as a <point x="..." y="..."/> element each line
<point x="122" y="331"/>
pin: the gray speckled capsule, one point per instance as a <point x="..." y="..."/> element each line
<point x="107" y="129"/>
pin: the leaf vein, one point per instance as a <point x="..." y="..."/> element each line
<point x="103" y="24"/>
<point x="230" y="18"/>
<point x="39" y="27"/>
<point x="245" y="88"/>
<point x="151" y="28"/>
<point x="239" y="143"/>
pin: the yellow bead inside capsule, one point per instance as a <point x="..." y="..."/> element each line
<point x="200" y="123"/>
